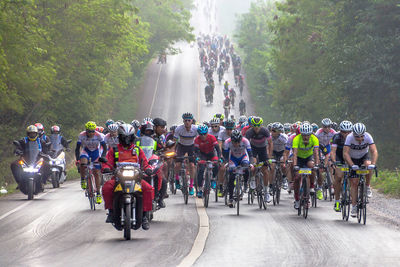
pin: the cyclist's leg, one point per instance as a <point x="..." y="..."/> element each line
<point x="311" y="178"/>
<point x="337" y="183"/>
<point x="178" y="162"/>
<point x="354" y="182"/>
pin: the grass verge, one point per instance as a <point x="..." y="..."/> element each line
<point x="388" y="182"/>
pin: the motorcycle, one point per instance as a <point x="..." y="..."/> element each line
<point x="58" y="166"/>
<point x="30" y="182"/>
<point x="127" y="199"/>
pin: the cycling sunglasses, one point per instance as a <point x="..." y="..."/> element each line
<point x="90" y="131"/>
<point x="188" y="120"/>
<point x="358" y="136"/>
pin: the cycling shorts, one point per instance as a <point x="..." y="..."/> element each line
<point x="233" y="161"/>
<point x="261" y="152"/>
<point x="181" y="150"/>
<point x="209" y="156"/>
<point x="361" y="160"/>
<point x="92" y="156"/>
<point x="325" y="149"/>
<point x="277" y="154"/>
<point x="302" y="163"/>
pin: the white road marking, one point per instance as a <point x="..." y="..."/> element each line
<point x="155" y="91"/>
<point x="201" y="238"/>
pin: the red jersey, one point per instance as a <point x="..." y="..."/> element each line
<point x="132" y="154"/>
<point x="206" y="146"/>
<point x="244" y="130"/>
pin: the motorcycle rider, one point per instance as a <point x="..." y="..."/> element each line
<point x="91" y="143"/>
<point x="26" y="145"/>
<point x="41" y="133"/>
<point x="127" y="151"/>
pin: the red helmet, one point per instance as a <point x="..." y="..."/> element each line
<point x="294" y="127"/>
<point x="99" y="129"/>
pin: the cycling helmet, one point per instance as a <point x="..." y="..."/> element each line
<point x="306" y="129"/>
<point x="90" y="126"/>
<point x="159" y="122"/>
<point x="286" y="127"/>
<point x="294" y="127"/>
<point x="55" y="129"/>
<point x="359" y="128"/>
<point x="249" y="119"/>
<point x="314" y="127"/>
<point x="269" y="126"/>
<point x="346" y="126"/>
<point x="256" y="121"/>
<point x="187" y="116"/>
<point x="120" y="122"/>
<point x="173" y="127"/>
<point x="32" y="132"/>
<point x="136" y="124"/>
<point x="146" y="120"/>
<point x="334" y="126"/>
<point x="112" y="127"/>
<point x="214" y="121"/>
<point x="277" y="126"/>
<point x="126" y="134"/>
<point x="219" y="116"/>
<point x="202" y="129"/>
<point x="99" y="129"/>
<point x="242" y="119"/>
<point x="306" y="122"/>
<point x="236" y="136"/>
<point x="326" y="122"/>
<point x="109" y="122"/>
<point x="229" y="124"/>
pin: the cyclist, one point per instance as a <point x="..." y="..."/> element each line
<point x="286" y="127"/>
<point x="314" y="127"/>
<point x="337" y="156"/>
<point x="126" y="151"/>
<point x="208" y="92"/>
<point x="305" y="153"/>
<point x="108" y="123"/>
<point x="279" y="140"/>
<point x="222" y="137"/>
<point x="248" y="126"/>
<point x="261" y="146"/>
<point x="91" y="142"/>
<point x="159" y="132"/>
<point x="220" y="117"/>
<point x="111" y="138"/>
<point x="356" y="153"/>
<point x="232" y="96"/>
<point x="242" y="107"/>
<point x="216" y="127"/>
<point x="242" y="122"/>
<point x="324" y="136"/>
<point x="185" y="135"/>
<point x="206" y="148"/>
<point x="170" y="135"/>
<point x="136" y="125"/>
<point x="236" y="151"/>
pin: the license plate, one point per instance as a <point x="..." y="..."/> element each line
<point x="362" y="171"/>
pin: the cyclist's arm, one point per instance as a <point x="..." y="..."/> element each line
<point x="270" y="146"/>
<point x="216" y="146"/>
<point x="346" y="155"/>
<point x="333" y="152"/>
<point x="77" y="150"/>
<point x="104" y="145"/>
<point x="374" y="154"/>
<point x="316" y="155"/>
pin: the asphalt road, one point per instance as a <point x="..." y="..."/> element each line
<point x="59" y="229"/>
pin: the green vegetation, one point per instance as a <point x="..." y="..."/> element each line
<point x="69" y="62"/>
<point x="309" y="59"/>
<point x="388" y="182"/>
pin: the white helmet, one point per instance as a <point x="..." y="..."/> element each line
<point x="326" y="122"/>
<point x="359" y="128"/>
<point x="346" y="126"/>
<point x="306" y="129"/>
<point x="214" y="121"/>
<point x="113" y="127"/>
<point x="242" y="119"/>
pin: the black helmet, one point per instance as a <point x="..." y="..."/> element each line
<point x="159" y="122"/>
<point x="236" y="136"/>
<point x="126" y="134"/>
<point x="173" y="127"/>
<point x="147" y="129"/>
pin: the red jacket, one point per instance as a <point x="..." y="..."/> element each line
<point x="127" y="155"/>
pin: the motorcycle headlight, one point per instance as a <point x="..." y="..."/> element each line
<point x="31" y="169"/>
<point x="128" y="173"/>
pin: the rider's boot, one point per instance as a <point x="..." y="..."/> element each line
<point x="145" y="221"/>
<point x="110" y="216"/>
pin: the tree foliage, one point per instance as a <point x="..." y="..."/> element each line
<point x="328" y="58"/>
<point x="66" y="62"/>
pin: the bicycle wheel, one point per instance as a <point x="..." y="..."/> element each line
<point x="360" y="209"/>
<point x="206" y="190"/>
<point x="90" y="191"/>
<point x="329" y="183"/>
<point x="305" y="208"/>
<point x="185" y="191"/>
<point x="237" y="195"/>
<point x="365" y="199"/>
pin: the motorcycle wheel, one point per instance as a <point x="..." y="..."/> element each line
<point x="31" y="189"/>
<point x="127" y="223"/>
<point x="54" y="180"/>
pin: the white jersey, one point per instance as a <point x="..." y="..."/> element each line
<point x="325" y="138"/>
<point x="216" y="134"/>
<point x="185" y="138"/>
<point x="239" y="151"/>
<point x="93" y="143"/>
<point x="111" y="141"/>
<point x="280" y="142"/>
<point x="358" y="149"/>
<point x="223" y="136"/>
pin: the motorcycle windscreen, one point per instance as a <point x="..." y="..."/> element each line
<point x="56" y="143"/>
<point x="147" y="145"/>
<point x="32" y="152"/>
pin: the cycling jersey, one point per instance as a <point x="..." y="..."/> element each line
<point x="325" y="138"/>
<point x="245" y="129"/>
<point x="216" y="134"/>
<point x="223" y="136"/>
<point x="289" y="143"/>
<point x="280" y="142"/>
<point x="206" y="146"/>
<point x="338" y="142"/>
<point x="229" y="149"/>
<point x="92" y="143"/>
<point x="110" y="140"/>
<point x="259" y="139"/>
<point x="305" y="151"/>
<point x="185" y="138"/>
<point x="358" y="149"/>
